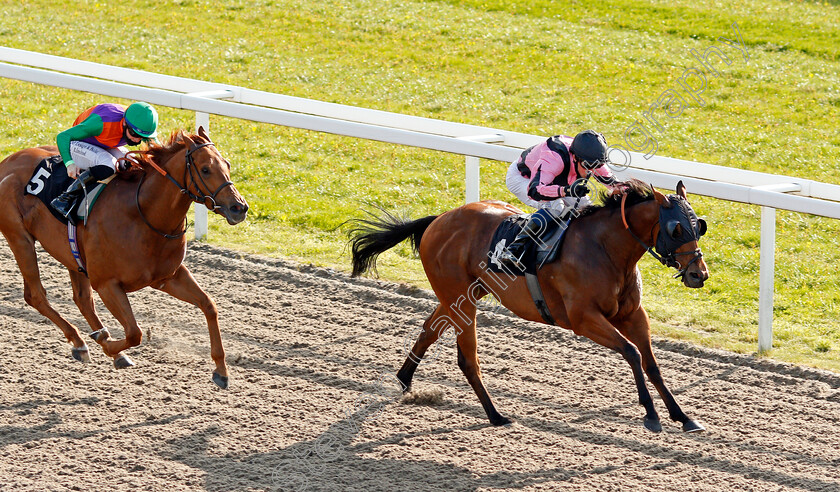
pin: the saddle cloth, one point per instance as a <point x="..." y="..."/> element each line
<point x="50" y="180"/>
<point x="544" y="249"/>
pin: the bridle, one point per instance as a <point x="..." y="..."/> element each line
<point x="195" y="178"/>
<point x="668" y="257"/>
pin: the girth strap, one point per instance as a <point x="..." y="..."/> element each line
<point x="539" y="299"/>
<point x="74" y="247"/>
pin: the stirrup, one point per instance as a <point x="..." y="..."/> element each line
<point x="61" y="206"/>
<point x="509" y="258"/>
<point x="64" y="208"/>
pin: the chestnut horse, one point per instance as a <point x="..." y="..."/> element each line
<point x="593" y="288"/>
<point x="134" y="237"/>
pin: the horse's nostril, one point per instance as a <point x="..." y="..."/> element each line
<point x="238" y="209"/>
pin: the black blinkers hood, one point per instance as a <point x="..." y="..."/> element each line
<point x="679" y="214"/>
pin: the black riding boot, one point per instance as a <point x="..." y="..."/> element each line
<point x="512" y="254"/>
<point x="63" y="204"/>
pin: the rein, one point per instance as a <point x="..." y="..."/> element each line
<point x="670" y="257"/>
<point x="585" y="180"/>
<point x="137" y="201"/>
<point x="191" y="172"/>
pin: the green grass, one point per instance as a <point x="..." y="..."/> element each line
<point x="520" y="65"/>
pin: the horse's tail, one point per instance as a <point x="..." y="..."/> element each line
<point x="370" y="237"/>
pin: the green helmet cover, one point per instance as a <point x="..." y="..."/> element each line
<point x="142" y="119"/>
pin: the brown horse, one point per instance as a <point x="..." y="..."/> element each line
<point x="134" y="238"/>
<point x="593" y="288"/>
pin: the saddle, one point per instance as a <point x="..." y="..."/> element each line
<point x="544" y="248"/>
<point x="50" y="180"/>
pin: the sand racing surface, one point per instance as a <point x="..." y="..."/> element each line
<point x="311" y="405"/>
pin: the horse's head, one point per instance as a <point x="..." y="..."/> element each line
<point x="209" y="179"/>
<point x="679" y="232"/>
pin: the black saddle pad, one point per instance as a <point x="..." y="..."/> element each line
<point x="48" y="181"/>
<point x="544" y="249"/>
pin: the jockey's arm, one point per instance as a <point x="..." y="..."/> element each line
<point x="540" y="187"/>
<point x="91" y="127"/>
<point x="606" y="178"/>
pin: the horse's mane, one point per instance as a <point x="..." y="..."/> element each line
<point x="157" y="153"/>
<point x="160" y="153"/>
<point x="637" y="192"/>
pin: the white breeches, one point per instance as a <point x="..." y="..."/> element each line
<point x="87" y="156"/>
<point x="518" y="185"/>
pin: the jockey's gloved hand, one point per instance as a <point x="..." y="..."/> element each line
<point x="72" y="171"/>
<point x="577" y="189"/>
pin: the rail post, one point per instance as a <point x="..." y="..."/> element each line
<point x="203" y="120"/>
<point x="766" y="277"/>
<point x="472" y="167"/>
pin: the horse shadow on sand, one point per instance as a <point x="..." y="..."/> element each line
<point x="332" y="461"/>
<point x="336" y="460"/>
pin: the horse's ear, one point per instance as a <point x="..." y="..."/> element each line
<point x="662" y="199"/>
<point x="680" y="189"/>
<point x="188" y="142"/>
<point x="203" y="133"/>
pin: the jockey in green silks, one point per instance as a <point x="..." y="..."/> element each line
<point x="92" y="146"/>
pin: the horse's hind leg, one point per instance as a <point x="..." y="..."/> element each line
<point x="468" y="362"/>
<point x="446" y="318"/>
<point x="637" y="328"/>
<point x="23" y="247"/>
<point x="427" y="337"/>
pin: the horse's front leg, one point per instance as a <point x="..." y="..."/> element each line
<point x="637" y="328"/>
<point x="115" y="299"/>
<point x="594" y="326"/>
<point x="183" y="286"/>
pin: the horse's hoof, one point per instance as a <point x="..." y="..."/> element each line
<point x="81" y="354"/>
<point x="101" y="335"/>
<point x="404" y="385"/>
<point x="221" y="381"/>
<point x="692" y="426"/>
<point x="123" y="362"/>
<point x="500" y="421"/>
<point x="653" y="425"/>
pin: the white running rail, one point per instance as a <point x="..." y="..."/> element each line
<point x="770" y="191"/>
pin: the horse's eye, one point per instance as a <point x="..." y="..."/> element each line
<point x="205" y="170"/>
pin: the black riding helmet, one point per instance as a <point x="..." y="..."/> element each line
<point x="590" y="149"/>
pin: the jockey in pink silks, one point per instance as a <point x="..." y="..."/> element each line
<point x="554" y="175"/>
